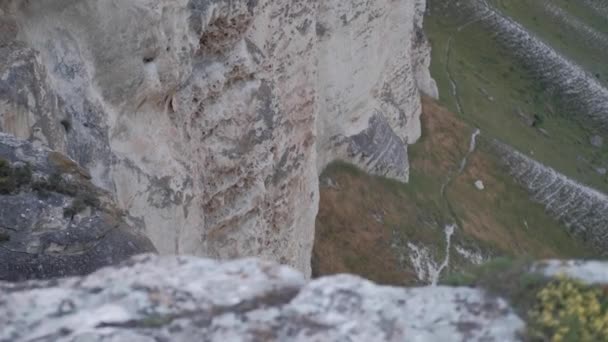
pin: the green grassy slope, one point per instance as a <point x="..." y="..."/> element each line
<point x="365" y="223"/>
<point x="499" y="96"/>
<point x="562" y="24"/>
<point x="376" y="227"/>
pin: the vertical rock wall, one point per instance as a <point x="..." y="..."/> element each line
<point x="209" y="120"/>
<point x="373" y="57"/>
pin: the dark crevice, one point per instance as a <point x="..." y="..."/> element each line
<point x="67" y="125"/>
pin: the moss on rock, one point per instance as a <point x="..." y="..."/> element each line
<point x="12" y="178"/>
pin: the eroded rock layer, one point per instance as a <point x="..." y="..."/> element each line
<point x="583" y="210"/>
<point x="208" y="120"/>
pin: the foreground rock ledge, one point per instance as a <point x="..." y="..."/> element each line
<point x="151" y="298"/>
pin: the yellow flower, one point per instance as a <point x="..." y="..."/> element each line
<point x="565" y="304"/>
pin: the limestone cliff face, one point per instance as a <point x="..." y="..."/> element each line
<point x="209" y="120"/>
<point x="373" y="58"/>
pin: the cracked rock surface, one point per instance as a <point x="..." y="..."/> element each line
<point x="53" y="220"/>
<point x="243" y="300"/>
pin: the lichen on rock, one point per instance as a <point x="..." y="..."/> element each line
<point x="243" y="300"/>
<point x="54" y="221"/>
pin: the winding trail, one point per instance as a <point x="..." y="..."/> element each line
<point x="463" y="163"/>
<point x="448" y="55"/>
<point x="449" y="74"/>
<point x="472" y="146"/>
<point x="450" y="229"/>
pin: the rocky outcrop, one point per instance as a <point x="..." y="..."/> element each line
<point x="583" y="210"/>
<point x="209" y="120"/>
<point x="245" y="300"/>
<point x="600" y="7"/>
<point x="53" y="221"/>
<point x="373" y="58"/>
<point x="589" y="272"/>
<point x="579" y="91"/>
<point x="592" y="37"/>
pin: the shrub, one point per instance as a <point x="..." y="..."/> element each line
<point x="567" y="310"/>
<point x="11" y="178"/>
<point x="7" y="182"/>
<point x="80" y="203"/>
<point x="538" y="120"/>
<point x="556" y="310"/>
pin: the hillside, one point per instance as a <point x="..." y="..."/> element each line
<point x="396" y="233"/>
<point x="526" y="81"/>
<point x="525" y="75"/>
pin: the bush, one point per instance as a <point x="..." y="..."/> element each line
<point x="556" y="310"/>
<point x="505" y="277"/>
<point x="538" y="120"/>
<point x="567" y="310"/>
<point x="7" y="182"/>
<point x="80" y="203"/>
<point x="11" y="179"/>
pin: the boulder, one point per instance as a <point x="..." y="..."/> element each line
<point x="151" y="298"/>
